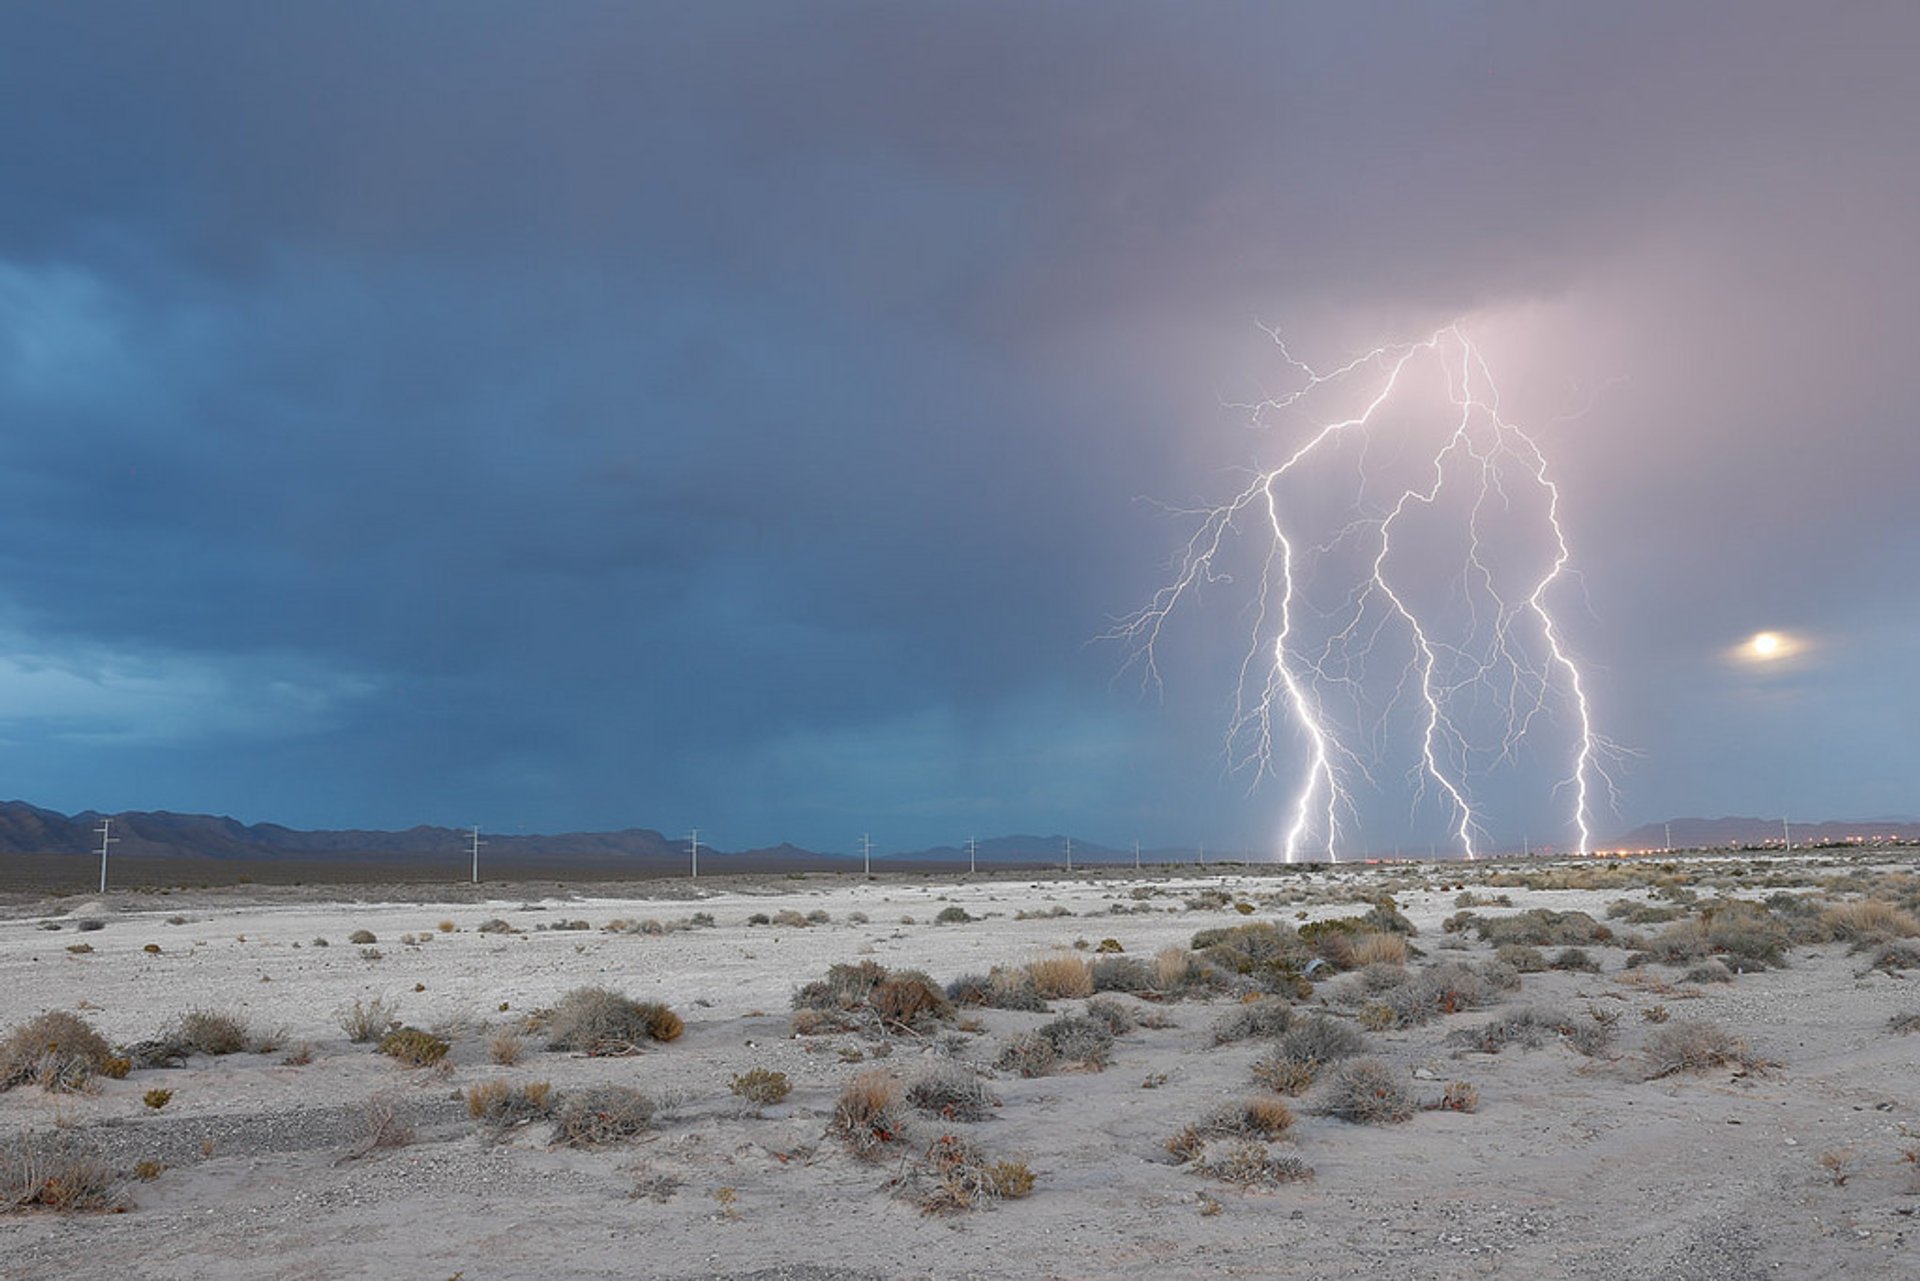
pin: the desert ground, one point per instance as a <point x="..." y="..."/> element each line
<point x="1713" y="1083"/>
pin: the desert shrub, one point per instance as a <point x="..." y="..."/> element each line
<point x="1267" y="1017"/>
<point x="1892" y="958"/>
<point x="867" y="1116"/>
<point x="79" y="949"/>
<point x="955" y="915"/>
<point x="1457" y="1096"/>
<point x="55" y="1172"/>
<point x="56" y="1050"/>
<point x="1256" y="1118"/>
<point x="1709" y="972"/>
<point x="498" y="1105"/>
<point x="210" y="1032"/>
<point x="953" y="1093"/>
<point x="599" y="1021"/>
<point x="1320" y="1040"/>
<point x="971" y="990"/>
<point x="1283" y="1075"/>
<point x="761" y="1086"/>
<point x="362" y="937"/>
<point x="846" y="987"/>
<point x="413" y="1047"/>
<point x="369" y="1020"/>
<point x="1693" y="1045"/>
<point x="1743" y="934"/>
<point x="1112" y="1015"/>
<point x="821" y="1022"/>
<point x="1365" y="1092"/>
<point x="1574" y="958"/>
<point x="908" y="1000"/>
<point x="759" y="918"/>
<point x="1524" y="957"/>
<point x="1642" y="913"/>
<point x="1122" y="974"/>
<point x="87" y="924"/>
<point x="1869" y="921"/>
<point x="1057" y="977"/>
<point x="1904" y="1023"/>
<point x="1540" y="927"/>
<point x="506" y="1047"/>
<point x="791" y="919"/>
<point x="1252" y="1165"/>
<point x="494" y="925"/>
<point x="953" y="1175"/>
<point x="1256" y="949"/>
<point x="601" y="1114"/>
<point x="1079" y="1039"/>
<point x="1029" y="1054"/>
<point x="1447" y="988"/>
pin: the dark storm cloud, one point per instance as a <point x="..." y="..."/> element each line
<point x="607" y="413"/>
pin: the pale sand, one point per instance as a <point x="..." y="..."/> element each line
<point x="1571" y="1167"/>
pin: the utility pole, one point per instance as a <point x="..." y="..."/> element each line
<point x="1669" y="848"/>
<point x="1136" y="856"/>
<point x="1203" y="856"/>
<point x="1526" y="841"/>
<point x="106" y="839"/>
<point x="693" y="847"/>
<point x="1786" y="835"/>
<point x="1069" y="853"/>
<point x="477" y="843"/>
<point x="866" y="849"/>
<point x="973" y="864"/>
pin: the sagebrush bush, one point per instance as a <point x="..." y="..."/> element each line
<point x="57" y="1050"/>
<point x="953" y="1093"/>
<point x="1265" y="1017"/>
<point x="1029" y="1054"/>
<point x="1112" y="1015"/>
<point x="908" y="1000"/>
<point x="955" y="915"/>
<point x="1320" y="1039"/>
<point x="1575" y="958"/>
<point x="55" y="1171"/>
<point x="953" y="1175"/>
<point x="599" y="1021"/>
<point x="601" y="1114"/>
<point x="1365" y="1092"/>
<point x="867" y="1115"/>
<point x="1121" y="974"/>
<point x="362" y="937"/>
<point x="210" y="1032"/>
<point x="1524" y="957"/>
<point x="413" y="1047"/>
<point x="1252" y="1165"/>
<point x="506" y="1047"/>
<point x="1258" y="1117"/>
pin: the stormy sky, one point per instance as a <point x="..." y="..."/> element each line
<point x="747" y="416"/>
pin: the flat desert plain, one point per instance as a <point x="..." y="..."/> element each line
<point x="1713" y="1083"/>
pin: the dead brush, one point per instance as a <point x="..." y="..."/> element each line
<point x="953" y="1175"/>
<point x="867" y="1116"/>
<point x="760" y="1087"/>
<point x="1869" y="921"/>
<point x="1457" y="1096"/>
<point x="1365" y="1092"/>
<point x="952" y="1093"/>
<point x="383" y="1126"/>
<point x="1257" y="1117"/>
<point x="1695" y="1045"/>
<point x="500" y="1106"/>
<point x="598" y="1021"/>
<point x="369" y="1019"/>
<point x="58" y="1051"/>
<point x="601" y="1114"/>
<point x="55" y="1171"/>
<point x="506" y="1047"/>
<point x="1252" y="1165"/>
<point x="1377" y="949"/>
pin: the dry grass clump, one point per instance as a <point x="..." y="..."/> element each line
<point x="210" y="1032"/>
<point x="369" y="1019"/>
<point x="506" y="1047"/>
<point x="1892" y="958"/>
<point x="1458" y="1096"/>
<point x="1694" y="1045"/>
<point x="57" y="1051"/>
<point x="1263" y="1017"/>
<point x="761" y="1086"/>
<point x="953" y="1175"/>
<point x="907" y="1000"/>
<point x="867" y="1116"/>
<point x="383" y="1126"/>
<point x="413" y="1047"/>
<point x="499" y="1106"/>
<point x="1365" y="1092"/>
<point x="1870" y="921"/>
<point x="1251" y="1165"/>
<point x="1377" y="949"/>
<point x="598" y="1021"/>
<point x="55" y="1172"/>
<point x="1258" y="1117"/>
<point x="953" y="1093"/>
<point x="1061" y="977"/>
<point x="601" y="1114"/>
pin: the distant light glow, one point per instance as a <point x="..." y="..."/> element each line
<point x="1769" y="648"/>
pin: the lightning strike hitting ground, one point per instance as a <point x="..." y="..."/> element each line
<point x="1404" y="552"/>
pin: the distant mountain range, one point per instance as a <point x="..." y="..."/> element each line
<point x="29" y="829"/>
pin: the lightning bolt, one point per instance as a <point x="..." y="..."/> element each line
<point x="1480" y="674"/>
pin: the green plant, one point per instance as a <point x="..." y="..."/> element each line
<point x="761" y="1086"/>
<point x="157" y="1098"/>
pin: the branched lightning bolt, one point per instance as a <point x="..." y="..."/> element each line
<point x="1506" y="661"/>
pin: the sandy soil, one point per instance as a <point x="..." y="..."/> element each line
<point x="1572" y="1166"/>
